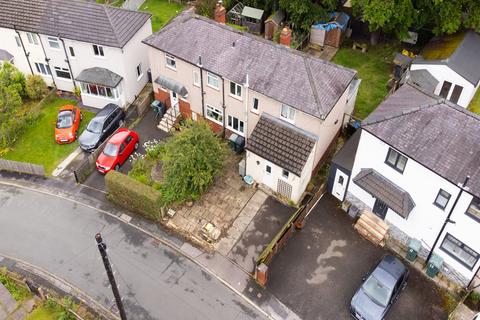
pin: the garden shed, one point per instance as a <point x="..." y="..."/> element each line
<point x="272" y="23"/>
<point x="330" y="33"/>
<point x="253" y="18"/>
<point x="235" y="14"/>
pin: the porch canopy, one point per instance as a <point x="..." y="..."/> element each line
<point x="171" y="84"/>
<point x="380" y="187"/>
<point x="5" y="56"/>
<point x="99" y="76"/>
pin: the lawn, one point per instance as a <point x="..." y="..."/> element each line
<point x="115" y="3"/>
<point x="44" y="313"/>
<point x="37" y="144"/>
<point x="475" y="103"/>
<point x="374" y="68"/>
<point x="162" y="11"/>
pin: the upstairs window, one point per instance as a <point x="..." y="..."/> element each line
<point x="213" y="81"/>
<point x="396" y="160"/>
<point x="285" y="174"/>
<point x="196" y="78"/>
<point x="235" y="89"/>
<point x="32" y="38"/>
<point x="19" y="43"/>
<point x="98" y="50"/>
<point x="287" y="113"/>
<point x="170" y="62"/>
<point x="255" y="105"/>
<point x="72" y="52"/>
<point x="53" y="42"/>
<point x="139" y="70"/>
<point x="474" y="209"/>
<point x="442" y="198"/>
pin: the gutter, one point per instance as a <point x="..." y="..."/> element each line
<point x="24" y="51"/>
<point x="68" y="61"/>
<point x="47" y="60"/>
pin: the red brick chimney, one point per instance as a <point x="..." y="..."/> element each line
<point x="220" y="13"/>
<point x="286" y="36"/>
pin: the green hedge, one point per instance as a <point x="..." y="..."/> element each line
<point x="133" y="195"/>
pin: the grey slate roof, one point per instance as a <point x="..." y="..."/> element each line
<point x="346" y="156"/>
<point x="171" y="84"/>
<point x="464" y="60"/>
<point x="73" y="19"/>
<point x="100" y="76"/>
<point x="288" y="76"/>
<point x="438" y="134"/>
<point x="423" y="79"/>
<point x="281" y="143"/>
<point x="252" y="13"/>
<point x="380" y="187"/>
<point x="5" y="55"/>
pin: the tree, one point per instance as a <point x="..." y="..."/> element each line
<point x="304" y="13"/>
<point x="35" y="87"/>
<point x="11" y="76"/>
<point x="191" y="159"/>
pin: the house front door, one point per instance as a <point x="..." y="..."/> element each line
<point x="340" y="185"/>
<point x="267" y="175"/>
<point x="174" y="101"/>
<point x="380" y="208"/>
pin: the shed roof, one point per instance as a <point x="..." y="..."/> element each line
<point x="5" y="55"/>
<point x="281" y="143"/>
<point x="423" y="78"/>
<point x="252" y="13"/>
<point x="99" y="76"/>
<point x="73" y="19"/>
<point x="291" y="77"/>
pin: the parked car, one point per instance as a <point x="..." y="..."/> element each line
<point x="105" y="122"/>
<point x="476" y="317"/>
<point x="379" y="290"/>
<point x="117" y="150"/>
<point x="68" y="121"/>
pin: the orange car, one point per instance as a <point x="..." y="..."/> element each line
<point x="68" y="121"/>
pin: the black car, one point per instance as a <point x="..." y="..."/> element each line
<point x="379" y="290"/>
<point x="105" y="122"/>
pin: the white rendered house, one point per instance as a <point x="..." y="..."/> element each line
<point x="73" y="43"/>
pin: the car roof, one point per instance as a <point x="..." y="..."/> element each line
<point x="106" y="110"/>
<point x="119" y="136"/>
<point x="389" y="270"/>
<point x="67" y="107"/>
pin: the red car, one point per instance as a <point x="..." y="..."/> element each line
<point x="68" y="121"/>
<point x="117" y="150"/>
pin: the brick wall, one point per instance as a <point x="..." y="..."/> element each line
<point x="185" y="109"/>
<point x="163" y="96"/>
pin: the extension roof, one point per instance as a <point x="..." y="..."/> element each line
<point x="73" y="19"/>
<point x="99" y="76"/>
<point x="288" y="76"/>
<point x="436" y="133"/>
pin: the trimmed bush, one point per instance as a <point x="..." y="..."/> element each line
<point x="133" y="195"/>
<point x="35" y="87"/>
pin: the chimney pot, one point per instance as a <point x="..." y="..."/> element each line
<point x="286" y="36"/>
<point x="220" y="13"/>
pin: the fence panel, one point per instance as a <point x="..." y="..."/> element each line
<point x="22" y="167"/>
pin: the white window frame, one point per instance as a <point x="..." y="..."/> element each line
<point x="230" y="125"/>
<point x="215" y="111"/>
<point x="285" y="173"/>
<point x="62" y="70"/>
<point x="18" y="41"/>
<point x="196" y="78"/>
<point x="86" y="89"/>
<point x="139" y="71"/>
<point x="215" y="78"/>
<point x="170" y="62"/>
<point x="255" y="110"/>
<point x="100" y="50"/>
<point x="43" y="69"/>
<point x="287" y="113"/>
<point x="32" y="38"/>
<point x="53" y="40"/>
<point x="237" y="88"/>
<point x="71" y="50"/>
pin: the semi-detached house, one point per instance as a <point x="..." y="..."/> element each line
<point x="287" y="105"/>
<point x="73" y="43"/>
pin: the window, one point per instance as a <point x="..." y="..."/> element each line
<point x="285" y="173"/>
<point x="101" y="91"/>
<point x="72" y="52"/>
<point x="268" y="169"/>
<point x="255" y="104"/>
<point x="43" y="69"/>
<point x="196" y="78"/>
<point x="213" y="81"/>
<point x="341" y="180"/>
<point x="287" y="112"/>
<point x="98" y="50"/>
<point x="17" y="40"/>
<point x="53" y="42"/>
<point x="457" y="91"/>
<point x="139" y="70"/>
<point x="62" y="73"/>
<point x="170" y="62"/>
<point x="32" y="38"/>
<point x="214" y="114"/>
<point x="396" y="160"/>
<point x="474" y="209"/>
<point x="235" y="89"/>
<point x="442" y="198"/>
<point x="235" y="124"/>
<point x="459" y="251"/>
<point x="445" y="89"/>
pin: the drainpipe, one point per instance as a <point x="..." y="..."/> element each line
<point x="447" y="220"/>
<point x="24" y="50"/>
<point x="201" y="84"/>
<point x="68" y="61"/>
<point x="47" y="60"/>
<point x="223" y="105"/>
<point x="246" y="119"/>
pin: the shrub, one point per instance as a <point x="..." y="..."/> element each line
<point x="35" y="87"/>
<point x="10" y="76"/>
<point x="133" y="195"/>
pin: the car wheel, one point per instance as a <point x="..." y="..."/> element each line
<point x="117" y="167"/>
<point x="136" y="145"/>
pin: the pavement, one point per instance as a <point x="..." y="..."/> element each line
<point x="321" y="267"/>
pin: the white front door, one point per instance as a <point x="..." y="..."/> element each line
<point x="340" y="185"/>
<point x="267" y="175"/>
<point x="174" y="101"/>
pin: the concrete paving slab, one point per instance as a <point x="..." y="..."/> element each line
<point x="7" y="303"/>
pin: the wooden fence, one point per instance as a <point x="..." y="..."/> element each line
<point x="22" y="167"/>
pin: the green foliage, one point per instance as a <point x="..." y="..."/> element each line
<point x="191" y="160"/>
<point x="77" y="92"/>
<point x="133" y="195"/>
<point x="141" y="171"/>
<point x="304" y="13"/>
<point x="18" y="292"/>
<point x="205" y="7"/>
<point x="35" y="87"/>
<point x="12" y="89"/>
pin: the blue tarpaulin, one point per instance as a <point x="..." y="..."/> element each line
<point x="337" y="20"/>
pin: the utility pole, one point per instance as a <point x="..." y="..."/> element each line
<point x="102" y="247"/>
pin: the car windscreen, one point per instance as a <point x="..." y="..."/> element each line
<point x="64" y="119"/>
<point x="377" y="291"/>
<point x="95" y="126"/>
<point x="110" y="150"/>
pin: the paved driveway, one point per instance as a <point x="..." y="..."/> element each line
<point x="321" y="267"/>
